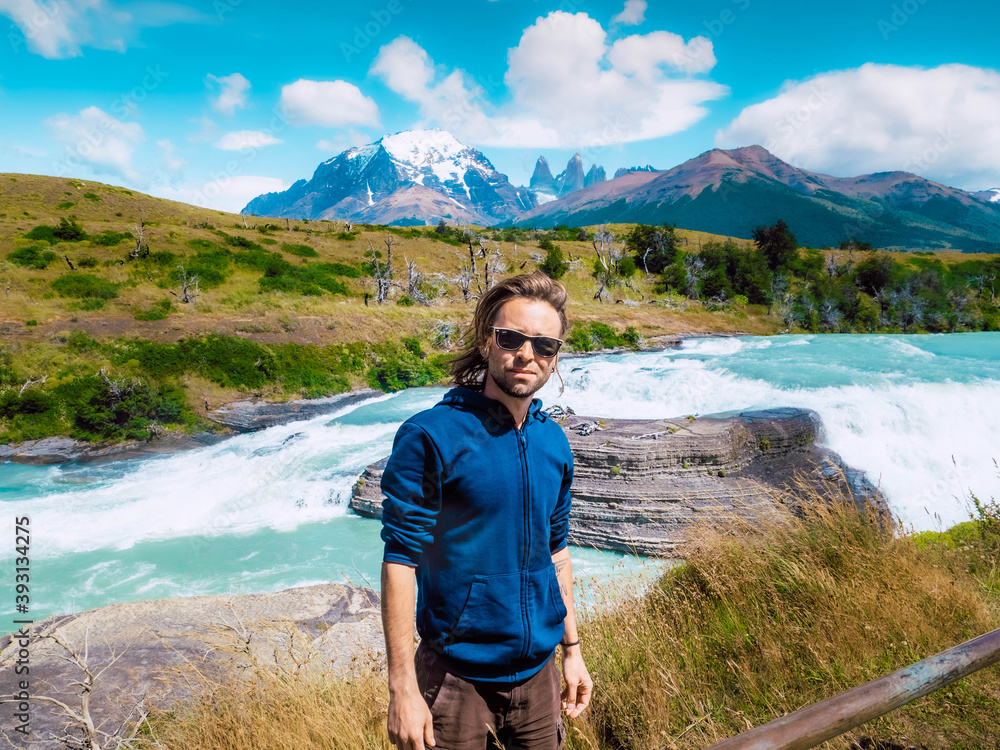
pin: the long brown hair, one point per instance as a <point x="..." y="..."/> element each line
<point x="469" y="368"/>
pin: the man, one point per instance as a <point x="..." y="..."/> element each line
<point x="476" y="511"/>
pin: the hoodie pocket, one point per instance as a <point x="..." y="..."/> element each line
<point x="490" y="630"/>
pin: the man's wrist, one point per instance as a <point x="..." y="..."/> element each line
<point x="566" y="644"/>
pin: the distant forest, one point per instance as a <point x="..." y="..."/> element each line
<point x="853" y="288"/>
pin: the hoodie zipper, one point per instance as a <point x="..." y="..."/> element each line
<point x="526" y="554"/>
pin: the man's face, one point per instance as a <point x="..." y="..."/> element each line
<point x="521" y="373"/>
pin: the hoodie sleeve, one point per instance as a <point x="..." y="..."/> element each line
<point x="411" y="484"/>
<point x="560" y="516"/>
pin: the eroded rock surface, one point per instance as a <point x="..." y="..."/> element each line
<point x="641" y="485"/>
<point x="153" y="647"/>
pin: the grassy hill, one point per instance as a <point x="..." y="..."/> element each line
<point x="102" y="341"/>
<point x="289" y="297"/>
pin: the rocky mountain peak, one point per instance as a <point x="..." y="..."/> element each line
<point x="410" y="177"/>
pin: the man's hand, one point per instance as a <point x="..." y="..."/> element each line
<point x="410" y="724"/>
<point x="579" y="687"/>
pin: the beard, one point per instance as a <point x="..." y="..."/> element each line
<point x="508" y="385"/>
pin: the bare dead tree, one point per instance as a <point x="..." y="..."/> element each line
<point x="443" y="331"/>
<point x="495" y="265"/>
<point x="69" y="263"/>
<point x="27" y="383"/>
<point x="831" y="265"/>
<point x="189" y="287"/>
<point x="390" y="242"/>
<point x="464" y="279"/>
<point x="91" y="737"/>
<point x="382" y="274"/>
<point x="470" y="236"/>
<point x="414" y="280"/>
<point x="138" y="230"/>
<point x="694" y="269"/>
<point x="609" y="251"/>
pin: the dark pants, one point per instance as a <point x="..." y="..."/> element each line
<point x="484" y="716"/>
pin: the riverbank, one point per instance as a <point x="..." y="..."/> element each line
<point x="247" y="415"/>
<point x="752" y="626"/>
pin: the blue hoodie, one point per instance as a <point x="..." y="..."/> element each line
<point x="479" y="507"/>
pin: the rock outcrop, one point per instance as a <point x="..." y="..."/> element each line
<point x="145" y="649"/>
<point x="640" y="486"/>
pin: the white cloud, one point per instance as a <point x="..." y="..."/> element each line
<point x="233" y="95"/>
<point x="569" y="88"/>
<point x="169" y="159"/>
<point x="942" y="123"/>
<point x="343" y="141"/>
<point x="242" y="139"/>
<point x="206" y="130"/>
<point x="328" y="103"/>
<point x="61" y="28"/>
<point x="633" y="14"/>
<point x="224" y="194"/>
<point x="97" y="139"/>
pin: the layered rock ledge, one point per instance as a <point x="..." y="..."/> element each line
<point x="150" y="653"/>
<point x="640" y="486"/>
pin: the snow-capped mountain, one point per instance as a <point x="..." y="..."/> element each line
<point x="991" y="196"/>
<point x="411" y="177"/>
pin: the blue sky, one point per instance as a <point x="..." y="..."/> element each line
<point x="214" y="102"/>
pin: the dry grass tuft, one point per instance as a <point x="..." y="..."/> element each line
<point x="756" y="626"/>
<point x="248" y="700"/>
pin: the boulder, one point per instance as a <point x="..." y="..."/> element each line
<point x="641" y="485"/>
<point x="149" y="653"/>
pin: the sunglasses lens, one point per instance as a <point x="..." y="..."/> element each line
<point x="510" y="340"/>
<point x="545" y="346"/>
<point x="514" y="340"/>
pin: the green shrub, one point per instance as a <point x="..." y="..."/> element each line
<point x="395" y="368"/>
<point x="31" y="323"/>
<point x="339" y="269"/>
<point x="310" y="280"/>
<point x="303" y="251"/>
<point x="347" y="236"/>
<point x="87" y="261"/>
<point x="163" y="258"/>
<point x="553" y="266"/>
<point x="405" y="301"/>
<point x="65" y="205"/>
<point x="237" y="241"/>
<point x="43" y="232"/>
<point x="210" y="266"/>
<point x="32" y="401"/>
<point x="84" y="286"/>
<point x="32" y="257"/>
<point x="92" y="197"/>
<point x="69" y="231"/>
<point x="579" y="339"/>
<point x="158" y="311"/>
<point x="597" y="335"/>
<point x="123" y="412"/>
<point x="109" y="238"/>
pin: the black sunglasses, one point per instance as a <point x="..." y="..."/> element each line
<point x="543" y="346"/>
